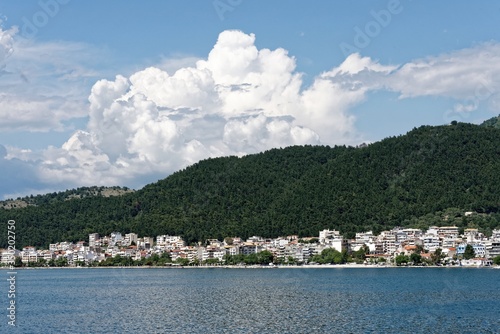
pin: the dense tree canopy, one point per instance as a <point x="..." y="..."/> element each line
<point x="430" y="176"/>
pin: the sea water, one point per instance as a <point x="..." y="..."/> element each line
<point x="218" y="300"/>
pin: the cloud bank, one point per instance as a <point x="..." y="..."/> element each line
<point x="43" y="85"/>
<point x="239" y="100"/>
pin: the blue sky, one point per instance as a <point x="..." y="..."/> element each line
<point x="127" y="92"/>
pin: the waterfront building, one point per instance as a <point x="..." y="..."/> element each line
<point x="449" y="241"/>
<point x="249" y="248"/>
<point x="9" y="256"/>
<point x="115" y="239"/>
<point x="449" y="251"/>
<point x="472" y="235"/>
<point x="361" y="239"/>
<point x="214" y="243"/>
<point x="387" y="243"/>
<point x="168" y="242"/>
<point x="255" y="240"/>
<point x="148" y="243"/>
<point x="219" y="254"/>
<point x="27" y="257"/>
<point x="432" y="230"/>
<point x="94" y="240"/>
<point x="479" y="249"/>
<point x="476" y="262"/>
<point x="130" y="238"/>
<point x="326" y="235"/>
<point x="431" y="242"/>
<point x="29" y="254"/>
<point x="332" y="239"/>
<point x="492" y="249"/>
<point x="232" y="250"/>
<point x="48" y="255"/>
<point x="408" y="249"/>
<point x="451" y="231"/>
<point x="412" y="233"/>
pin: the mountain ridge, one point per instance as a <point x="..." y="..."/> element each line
<point x="65" y="195"/>
<point x="411" y="180"/>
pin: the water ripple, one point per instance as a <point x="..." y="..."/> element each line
<point x="259" y="301"/>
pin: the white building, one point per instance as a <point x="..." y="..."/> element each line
<point x="249" y="248"/>
<point x="332" y="239"/>
<point x="431" y="242"/>
<point x="495" y="235"/>
<point x="129" y="239"/>
<point x="492" y="249"/>
<point x="8" y="257"/>
<point x="169" y="242"/>
<point x="94" y="240"/>
<point x="448" y="231"/>
<point x="449" y="241"/>
<point x="29" y="254"/>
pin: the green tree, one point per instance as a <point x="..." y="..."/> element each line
<point x="265" y="257"/>
<point x="437" y="256"/>
<point x="228" y="259"/>
<point x="496" y="260"/>
<point x="62" y="262"/>
<point x="41" y="262"/>
<point x="18" y="262"/>
<point x="80" y="263"/>
<point x="402" y="259"/>
<point x="419" y="249"/>
<point x="212" y="261"/>
<point x="469" y="252"/>
<point x="251" y="259"/>
<point x="234" y="259"/>
<point x="117" y="260"/>
<point x="416" y="258"/>
<point x="182" y="261"/>
<point x="155" y="258"/>
<point x="164" y="259"/>
<point x="330" y="256"/>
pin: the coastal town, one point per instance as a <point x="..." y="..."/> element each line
<point x="399" y="246"/>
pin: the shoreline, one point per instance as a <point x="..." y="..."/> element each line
<point x="313" y="266"/>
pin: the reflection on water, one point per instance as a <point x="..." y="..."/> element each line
<point x="398" y="300"/>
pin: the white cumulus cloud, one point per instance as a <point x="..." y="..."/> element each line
<point x="239" y="100"/>
<point x="464" y="74"/>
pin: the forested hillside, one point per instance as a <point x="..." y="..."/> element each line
<point x="63" y="196"/>
<point x="431" y="175"/>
